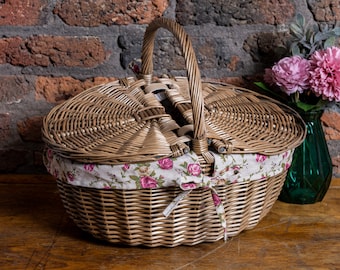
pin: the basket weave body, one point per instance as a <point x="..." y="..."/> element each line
<point x="134" y="217"/>
<point x="145" y="119"/>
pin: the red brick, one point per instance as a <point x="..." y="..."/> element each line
<point x="207" y="54"/>
<point x="52" y="51"/>
<point x="30" y="129"/>
<point x="276" y="12"/>
<point x="6" y="47"/>
<point x="233" y="63"/>
<point x="228" y="13"/>
<point x="4" y="126"/>
<point x="237" y="81"/>
<point x="325" y="10"/>
<point x="18" y="54"/>
<point x="21" y="12"/>
<point x="336" y="165"/>
<point x="108" y="12"/>
<point x="59" y="89"/>
<point x="13" y="88"/>
<point x="262" y="46"/>
<point x="331" y="122"/>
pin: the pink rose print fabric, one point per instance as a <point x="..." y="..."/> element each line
<point x="194" y="169"/>
<point x="260" y="158"/>
<point x="248" y="167"/>
<point x="184" y="172"/>
<point x="187" y="186"/>
<point x="216" y="199"/>
<point x="148" y="182"/>
<point x="88" y="167"/>
<point x="125" y="167"/>
<point x="165" y="163"/>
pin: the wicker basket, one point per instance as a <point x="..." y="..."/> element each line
<point x="135" y="120"/>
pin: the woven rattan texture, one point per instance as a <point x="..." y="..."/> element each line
<point x="134" y="217"/>
<point x="109" y="124"/>
<point x="134" y="120"/>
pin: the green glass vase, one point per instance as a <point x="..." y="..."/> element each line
<point x="310" y="173"/>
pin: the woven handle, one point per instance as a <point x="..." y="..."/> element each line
<point x="200" y="145"/>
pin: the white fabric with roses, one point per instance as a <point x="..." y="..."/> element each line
<point x="184" y="172"/>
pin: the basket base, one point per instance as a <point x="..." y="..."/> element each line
<point x="134" y="217"/>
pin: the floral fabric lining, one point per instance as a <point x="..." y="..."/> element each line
<point x="184" y="172"/>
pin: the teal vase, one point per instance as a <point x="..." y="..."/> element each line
<point x="310" y="173"/>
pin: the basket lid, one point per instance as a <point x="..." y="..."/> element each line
<point x="134" y="120"/>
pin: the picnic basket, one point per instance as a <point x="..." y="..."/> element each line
<point x="147" y="119"/>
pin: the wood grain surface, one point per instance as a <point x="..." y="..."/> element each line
<point x="36" y="233"/>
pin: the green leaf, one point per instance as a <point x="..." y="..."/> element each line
<point x="262" y="86"/>
<point x="184" y="164"/>
<point x="336" y="31"/>
<point x="295" y="49"/>
<point x="296" y="30"/>
<point x="268" y="91"/>
<point x="309" y="107"/>
<point x="304" y="106"/>
<point x="329" y="42"/>
<point x="134" y="177"/>
<point x="300" y="19"/>
<point x="315" y="28"/>
<point x="306" y="44"/>
<point x="318" y="37"/>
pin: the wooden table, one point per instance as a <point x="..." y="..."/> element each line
<point x="36" y="233"/>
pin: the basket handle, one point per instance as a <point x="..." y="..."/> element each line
<point x="200" y="145"/>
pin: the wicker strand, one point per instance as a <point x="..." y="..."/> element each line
<point x="194" y="77"/>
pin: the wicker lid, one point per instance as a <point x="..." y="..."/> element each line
<point x="133" y="120"/>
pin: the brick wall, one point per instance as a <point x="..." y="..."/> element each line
<point x="52" y="50"/>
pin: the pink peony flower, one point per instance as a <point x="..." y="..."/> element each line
<point x="194" y="169"/>
<point x="148" y="182"/>
<point x="165" y="163"/>
<point x="291" y="74"/>
<point x="325" y="73"/>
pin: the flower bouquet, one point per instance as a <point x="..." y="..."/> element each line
<point x="308" y="80"/>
